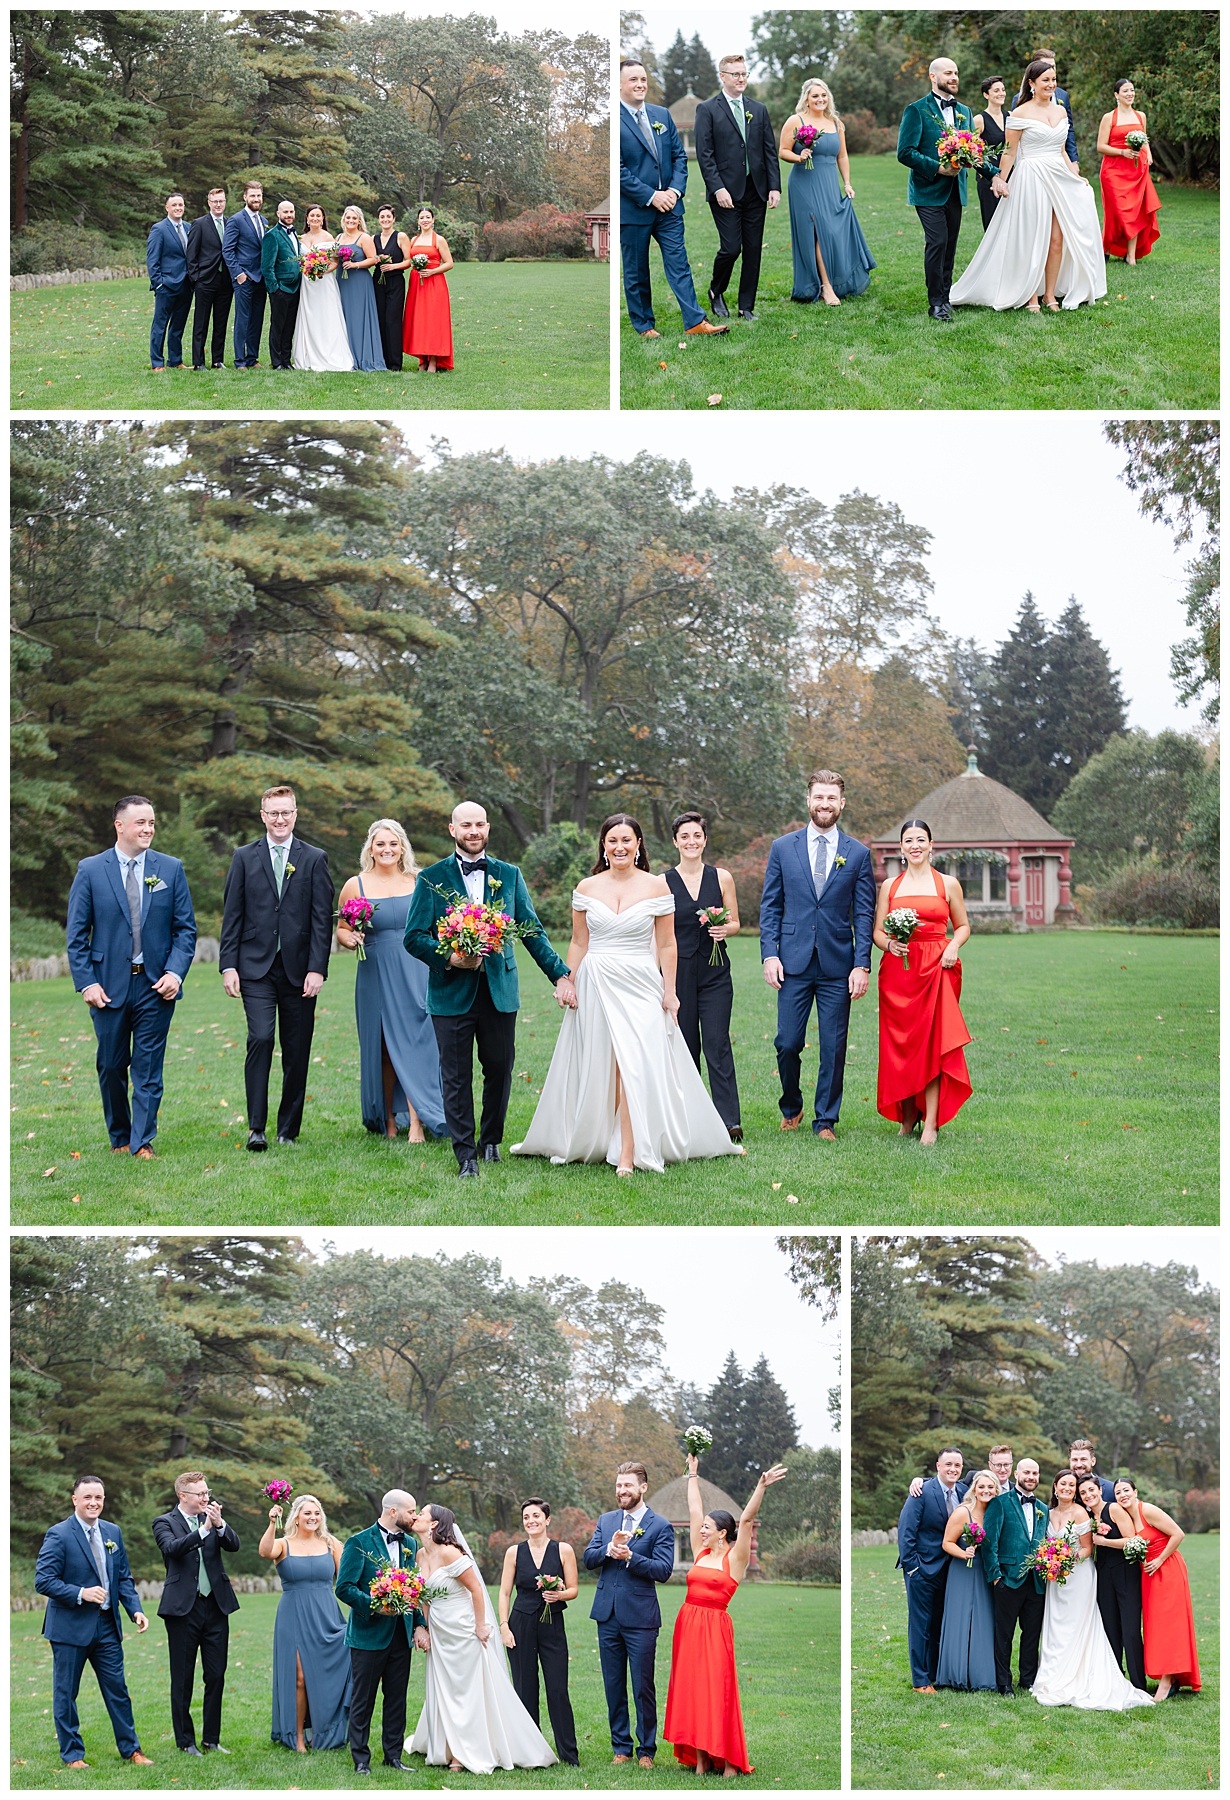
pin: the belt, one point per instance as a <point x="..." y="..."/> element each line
<point x="136" y="968"/>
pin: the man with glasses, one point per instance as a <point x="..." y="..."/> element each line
<point x="197" y="1601"/>
<point x="277" y="931"/>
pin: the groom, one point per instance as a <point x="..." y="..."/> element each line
<point x="816" y="915"/>
<point x="937" y="193"/>
<point x="281" y="274"/>
<point x="1015" y="1525"/>
<point x="924" y="1564"/>
<point x="474" y="1000"/>
<point x="634" y="1548"/>
<point x="380" y="1642"/>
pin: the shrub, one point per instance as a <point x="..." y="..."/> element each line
<point x="461" y="235"/>
<point x="543" y="231"/>
<point x="864" y="137"/>
<point x="46" y="245"/>
<point x="748" y="871"/>
<point x="552" y="864"/>
<point x="1147" y="892"/>
<point x="1201" y="1510"/>
<point x="29" y="936"/>
<point x="571" y="1524"/>
<point x="805" y="1558"/>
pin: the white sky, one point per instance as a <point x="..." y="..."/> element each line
<point x="509" y="15"/>
<point x="722" y="33"/>
<point x="758" y="1310"/>
<point x="1051" y="515"/>
<point x="1110" y="1245"/>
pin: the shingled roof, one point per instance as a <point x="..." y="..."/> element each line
<point x="972" y="809"/>
<point x="671" y="1501"/>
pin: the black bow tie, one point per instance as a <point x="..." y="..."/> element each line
<point x="1023" y="1496"/>
<point x="945" y="100"/>
<point x="394" y="1537"/>
<point x="468" y="868"/>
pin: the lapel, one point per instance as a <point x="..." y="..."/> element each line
<point x="151" y="868"/>
<point x="655" y="135"/>
<point x="262" y="847"/>
<point x="112" y="867"/>
<point x="800" y="845"/>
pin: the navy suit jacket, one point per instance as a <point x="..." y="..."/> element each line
<point x="1061" y="99"/>
<point x="241" y="245"/>
<point x="642" y="173"/>
<point x="65" y="1566"/>
<point x="100" y="930"/>
<point x="921" y="1528"/>
<point x="838" y="925"/>
<point x="166" y="259"/>
<point x="626" y="1590"/>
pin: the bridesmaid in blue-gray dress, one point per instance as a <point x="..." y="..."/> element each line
<point x="311" y="1664"/>
<point x="399" y="1079"/>
<point x="967" y="1630"/>
<point x="831" y="258"/>
<point x="358" y="293"/>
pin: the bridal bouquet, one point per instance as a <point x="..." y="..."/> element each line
<point x="804" y="143"/>
<point x="1136" y="1549"/>
<point x="347" y="253"/>
<point x="478" y="927"/>
<point x="962" y="150"/>
<point x="972" y="1538"/>
<point x="698" y="1440"/>
<point x="1054" y="1559"/>
<point x="396" y="1590"/>
<point x="1136" y="140"/>
<point x="901" y="924"/>
<point x="715" y="915"/>
<point x="315" y="264"/>
<point x="549" y="1584"/>
<point x="356" y="915"/>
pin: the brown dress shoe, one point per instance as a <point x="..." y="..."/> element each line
<point x="119" y="1149"/>
<point x="138" y="1756"/>
<point x="145" y="1153"/>
<point x="77" y="1765"/>
<point x="706" y="329"/>
<point x="830" y="1137"/>
<point x="924" y="1690"/>
<point x="793" y="1124"/>
<point x="646" y="1762"/>
<point x="621" y="1759"/>
<point x="651" y="333"/>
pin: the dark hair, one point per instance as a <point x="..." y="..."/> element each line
<point x="442" y="1530"/>
<point x="316" y="207"/>
<point x="1081" y="1480"/>
<point x="386" y="206"/>
<point x="424" y="208"/>
<point x="641" y="860"/>
<point x="726" y="1523"/>
<point x="951" y="1451"/>
<point x="83" y="1479"/>
<point x="1031" y="74"/>
<point x="631" y="62"/>
<point x="1060" y="1477"/>
<point x="173" y="195"/>
<point x="534" y="1500"/>
<point x="1124" y="81"/>
<point x="990" y="81"/>
<point x="128" y="800"/>
<point x="689" y="818"/>
<point x="825" y="778"/>
<point x="1131" y="1483"/>
<point x="910" y="823"/>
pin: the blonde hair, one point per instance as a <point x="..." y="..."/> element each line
<point x="355" y="209"/>
<point x="814" y="81"/>
<point x="291" y="1529"/>
<point x="728" y="62"/>
<point x="976" y="1477"/>
<point x="405" y="861"/>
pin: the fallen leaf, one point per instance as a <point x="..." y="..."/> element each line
<point x="76" y="1155"/>
<point x="1042" y="1040"/>
<point x="715" y="399"/>
<point x="50" y="1171"/>
<point x="76" y="1199"/>
<point x="792" y="1199"/>
<point x="661" y="365"/>
<point x="776" y="1185"/>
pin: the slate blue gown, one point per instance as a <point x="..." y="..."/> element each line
<point x="820" y="211"/>
<point x="358" y="292"/>
<point x="967" y="1630"/>
<point x="390" y="996"/>
<point x="309" y="1622"/>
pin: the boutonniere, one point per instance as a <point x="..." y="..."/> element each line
<point x="658" y="126"/>
<point x="154" y="882"/>
<point x="839" y="862"/>
<point x="290" y="869"/>
<point x="748" y="116"/>
<point x="110" y="1544"/>
<point x="639" y="1532"/>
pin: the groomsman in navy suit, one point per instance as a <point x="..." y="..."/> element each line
<point x="653" y="172"/>
<point x="83" y="1571"/>
<point x="241" y="252"/>
<point x="166" y="261"/>
<point x="924" y="1563"/>
<point x="634" y="1548"/>
<point x="131" y="938"/>
<point x="816" y="915"/>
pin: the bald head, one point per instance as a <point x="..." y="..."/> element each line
<point x="943" y="73"/>
<point x="468" y="827"/>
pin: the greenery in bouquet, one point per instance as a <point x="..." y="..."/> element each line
<point x="901" y="924"/>
<point x="698" y="1440"/>
<point x="1054" y="1559"/>
<point x="1136" y="1550"/>
<point x="396" y="1590"/>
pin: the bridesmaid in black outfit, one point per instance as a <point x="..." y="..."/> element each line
<point x="706" y="991"/>
<point x="1119" y="1600"/>
<point x="529" y="1638"/>
<point x="989" y="123"/>
<point x="391" y="292"/>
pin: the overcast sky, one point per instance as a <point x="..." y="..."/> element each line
<point x="722" y="33"/>
<point x="1051" y="515"/>
<point x="1109" y="1246"/>
<point x="722" y="1290"/>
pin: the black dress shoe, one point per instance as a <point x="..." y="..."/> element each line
<point x="285" y="1140"/>
<point x="198" y="368"/>
<point x="189" y="1750"/>
<point x="718" y="306"/>
<point x="217" y="365"/>
<point x="363" y="1768"/>
<point x="220" y="1748"/>
<point x="395" y="1762"/>
<point x="256" y="1141"/>
<point x="941" y="312"/>
<point x="469" y="1166"/>
<point x="747" y="315"/>
<point x="491" y="1153"/>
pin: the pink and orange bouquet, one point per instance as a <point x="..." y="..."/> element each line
<point x="715" y="915"/>
<point x="478" y="927"/>
<point x="972" y="1537"/>
<point x="316" y="264"/>
<point x="356" y="915"/>
<point x="549" y="1584"/>
<point x="1054" y="1559"/>
<point x="805" y="142"/>
<point x="396" y="1590"/>
<point x="959" y="149"/>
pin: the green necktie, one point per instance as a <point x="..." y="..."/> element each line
<point x="279" y="851"/>
<point x="203" y="1584"/>
<point x="741" y="122"/>
<point x="221" y="231"/>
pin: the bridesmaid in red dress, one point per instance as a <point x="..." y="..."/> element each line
<point x="1129" y="199"/>
<point x="703" y="1718"/>
<point x="922" y="1034"/>
<point x="1166" y="1596"/>
<point x="428" y="329"/>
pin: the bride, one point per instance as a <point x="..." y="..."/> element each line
<point x="1077" y="1666"/>
<point x="1046" y="238"/>
<point x="471" y="1717"/>
<point x="622" y="1086"/>
<point x="320" y="342"/>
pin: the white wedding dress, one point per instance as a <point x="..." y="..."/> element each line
<point x="619" y="1020"/>
<point x="471" y="1712"/>
<point x="321" y="343"/>
<point x="1008" y="267"/>
<point x="1077" y="1666"/>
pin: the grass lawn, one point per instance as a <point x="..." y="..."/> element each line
<point x="972" y="1741"/>
<point x="787" y="1647"/>
<point x="1153" y="345"/>
<point x="524" y="335"/>
<point x="1087" y="1108"/>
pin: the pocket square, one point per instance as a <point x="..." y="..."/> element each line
<point x="159" y="887"/>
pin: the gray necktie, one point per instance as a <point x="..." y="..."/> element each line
<point x="132" y="894"/>
<point x="818" y="867"/>
<point x="99" y="1555"/>
<point x="950" y="1500"/>
<point x="183" y="235"/>
<point x="642" y="119"/>
<point x="260" y="226"/>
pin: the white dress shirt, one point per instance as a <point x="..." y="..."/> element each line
<point x="392" y="1551"/>
<point x="273" y="861"/>
<point x="629" y="1523"/>
<point x="949" y="1491"/>
<point x="475" y="881"/>
<point x="814" y="835"/>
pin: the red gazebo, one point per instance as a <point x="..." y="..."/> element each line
<point x="598" y="236"/>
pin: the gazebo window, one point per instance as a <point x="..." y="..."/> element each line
<point x="969" y="874"/>
<point x="998" y="885"/>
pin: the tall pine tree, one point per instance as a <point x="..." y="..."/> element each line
<point x="769" y="1426"/>
<point x="1084" y="704"/>
<point x="702" y="70"/>
<point x="725" y="1408"/>
<point x="676" y="71"/>
<point x="1014" y="709"/>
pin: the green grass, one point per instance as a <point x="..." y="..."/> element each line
<point x="966" y="1742"/>
<point x="1093" y="1066"/>
<point x="787" y="1650"/>
<point x="1154" y="345"/>
<point x="524" y="335"/>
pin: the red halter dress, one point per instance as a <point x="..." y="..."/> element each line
<point x="922" y="1033"/>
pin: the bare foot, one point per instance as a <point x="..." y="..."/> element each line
<point x="830" y="298"/>
<point x="417" y="1135"/>
<point x="729" y="1771"/>
<point x="930" y="1134"/>
<point x="390" y="1130"/>
<point x="703" y="1765"/>
<point x="909" y="1118"/>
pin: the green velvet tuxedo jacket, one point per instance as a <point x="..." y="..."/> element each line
<point x="363" y="1557"/>
<point x="922" y="126"/>
<point x="451" y="992"/>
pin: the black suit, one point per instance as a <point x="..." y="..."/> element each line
<point x="273" y="944"/>
<point x="211" y="278"/>
<point x="749" y="176"/>
<point x="195" y="1620"/>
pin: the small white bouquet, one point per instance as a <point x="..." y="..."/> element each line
<point x="698" y="1440"/>
<point x="901" y="924"/>
<point x="1136" y="1549"/>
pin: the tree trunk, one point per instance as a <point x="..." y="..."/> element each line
<point x="659" y="823"/>
<point x="582" y="777"/>
<point x="21" y="169"/>
<point x="548" y="799"/>
<point x="514" y="818"/>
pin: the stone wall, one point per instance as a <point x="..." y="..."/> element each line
<point x="867" y="1540"/>
<point x="70" y="278"/>
<point x="47" y="968"/>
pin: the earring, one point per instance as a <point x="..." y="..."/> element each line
<point x="605" y="860"/>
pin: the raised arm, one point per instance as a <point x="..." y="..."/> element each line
<point x="741" y="1553"/>
<point x="696" y="1512"/>
<point x="272" y="1547"/>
